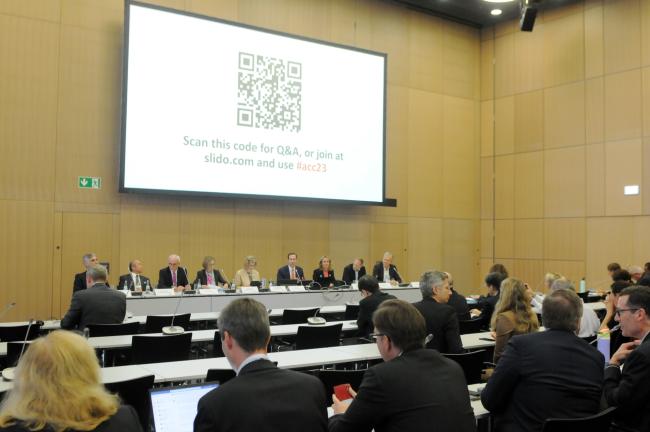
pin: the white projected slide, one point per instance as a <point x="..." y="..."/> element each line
<point x="214" y="107"/>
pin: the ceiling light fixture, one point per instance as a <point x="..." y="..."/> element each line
<point x="499" y="1"/>
<point x="496" y="12"/>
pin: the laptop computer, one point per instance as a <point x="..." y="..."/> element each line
<point x="174" y="408"/>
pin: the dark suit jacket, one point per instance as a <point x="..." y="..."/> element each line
<point x="322" y="280"/>
<point x="487" y="305"/>
<point x="165" y="277"/>
<point x="629" y="390"/>
<point x="348" y="273"/>
<point x="459" y="303"/>
<point x="417" y="391"/>
<point x="202" y="276"/>
<point x="378" y="272"/>
<point x="549" y="374"/>
<point x="284" y="273"/>
<point x="99" y="304"/>
<point x="264" y="398"/>
<point x="130" y="284"/>
<point x="124" y="420"/>
<point x="79" y="282"/>
<point x="367" y="307"/>
<point x="442" y="323"/>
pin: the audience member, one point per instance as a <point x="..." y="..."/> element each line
<point x="134" y="280"/>
<point x="440" y="318"/>
<point x="209" y="276"/>
<point x="499" y="268"/>
<point x="636" y="273"/>
<point x="58" y="388"/>
<point x="174" y="276"/>
<point x="613" y="268"/>
<point x="549" y="374"/>
<point x="291" y="271"/>
<point x="616" y="338"/>
<point x="372" y="298"/>
<point x="99" y="304"/>
<point x="296" y="401"/>
<point x="89" y="260"/>
<point x="512" y="315"/>
<point x="415" y="389"/>
<point x="458" y="301"/>
<point x="324" y="274"/>
<point x="386" y="271"/>
<point x="247" y="274"/>
<point x="629" y="388"/>
<point x="589" y="323"/>
<point x="353" y="272"/>
<point x="485" y="304"/>
<point x="622" y="276"/>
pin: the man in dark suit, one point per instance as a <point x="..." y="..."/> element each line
<point x="629" y="389"/>
<point x="99" y="304"/>
<point x="372" y="298"/>
<point x="440" y="318"/>
<point x="291" y="271"/>
<point x="173" y="276"/>
<point x="415" y="389"/>
<point x="385" y="271"/>
<point x="548" y="374"/>
<point x="134" y="280"/>
<point x="89" y="260"/>
<point x="296" y="401"/>
<point x="353" y="272"/>
<point x="458" y="301"/>
<point x="486" y="305"/>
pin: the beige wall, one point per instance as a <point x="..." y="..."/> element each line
<point x="60" y="78"/>
<point x="565" y="124"/>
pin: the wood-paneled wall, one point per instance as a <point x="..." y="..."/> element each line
<point x="60" y="80"/>
<point x="565" y="124"/>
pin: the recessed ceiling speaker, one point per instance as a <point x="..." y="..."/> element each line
<point x="528" y="15"/>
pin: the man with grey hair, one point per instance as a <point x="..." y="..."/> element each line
<point x="441" y="319"/>
<point x="636" y="273"/>
<point x="99" y="304"/>
<point x="89" y="260"/>
<point x="589" y="323"/>
<point x="547" y="374"/>
<point x="296" y="401"/>
<point x="458" y="301"/>
<point x="173" y="276"/>
<point x="386" y="271"/>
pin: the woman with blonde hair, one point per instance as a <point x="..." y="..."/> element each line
<point x="57" y="388"/>
<point x="247" y="273"/>
<point x="512" y="315"/>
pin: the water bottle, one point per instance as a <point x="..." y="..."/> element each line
<point x="148" y="291"/>
<point x="197" y="286"/>
<point x="583" y="285"/>
<point x="125" y="288"/>
<point x="233" y="285"/>
<point x="86" y="332"/>
<point x="263" y="283"/>
<point x="603" y="345"/>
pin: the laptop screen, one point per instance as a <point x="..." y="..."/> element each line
<point x="174" y="409"/>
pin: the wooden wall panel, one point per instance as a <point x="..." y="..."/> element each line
<point x="46" y="10"/>
<point x="487" y="239"/>
<point x="529" y="121"/>
<point x="487" y="187"/>
<point x="391" y="237"/>
<point x="623" y="162"/>
<point x="564" y="239"/>
<point x="645" y="85"/>
<point x="595" y="110"/>
<point x="225" y="9"/>
<point x="529" y="238"/>
<point x="426" y="53"/>
<point x="461" y="257"/>
<point x="567" y="64"/>
<point x="305" y="230"/>
<point x="595" y="161"/>
<point x="645" y="33"/>
<point x="105" y="16"/>
<point x="349" y="238"/>
<point x="594" y="41"/>
<point x="426" y="247"/>
<point x="487" y="128"/>
<point x="564" y="115"/>
<point x="529" y="63"/>
<point x="504" y="239"/>
<point x="623" y="105"/>
<point x="622" y="28"/>
<point x="487" y="68"/>
<point x="504" y="129"/>
<point x="504" y="187"/>
<point x="504" y="67"/>
<point x="529" y="190"/>
<point x="460" y="61"/>
<point x="564" y="182"/>
<point x="529" y="271"/>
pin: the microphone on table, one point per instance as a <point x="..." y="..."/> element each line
<point x="397" y="273"/>
<point x="172" y="329"/>
<point x="612" y="330"/>
<point x="316" y="320"/>
<point x="7" y="308"/>
<point x="8" y="373"/>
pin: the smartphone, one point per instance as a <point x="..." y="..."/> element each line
<point x="341" y="392"/>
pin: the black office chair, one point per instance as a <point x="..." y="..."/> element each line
<point x="13" y="352"/>
<point x="135" y="392"/>
<point x="600" y="422"/>
<point x="472" y="364"/>
<point x="470" y="326"/>
<point x="332" y="378"/>
<point x="217" y="351"/>
<point x="17" y="333"/>
<point x="98" y="330"/>
<point x="318" y="336"/>
<point x="297" y="316"/>
<point x="155" y="323"/>
<point x="156" y="349"/>
<point x="351" y="312"/>
<point x="220" y="375"/>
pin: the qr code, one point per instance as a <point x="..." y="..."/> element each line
<point x="269" y="93"/>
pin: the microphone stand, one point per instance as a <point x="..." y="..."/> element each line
<point x="8" y="373"/>
<point x="172" y="329"/>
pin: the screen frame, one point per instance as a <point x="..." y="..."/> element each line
<point x="125" y="67"/>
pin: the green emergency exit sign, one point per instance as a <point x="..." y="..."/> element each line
<point x="90" y="182"/>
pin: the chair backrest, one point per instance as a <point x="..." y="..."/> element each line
<point x="600" y="422"/>
<point x="351" y="312"/>
<point x="97" y="330"/>
<point x="155" y="323"/>
<point x="470" y="326"/>
<point x="135" y="392"/>
<point x="155" y="349"/>
<point x="217" y="350"/>
<point x="220" y="375"/>
<point x="297" y="316"/>
<point x="17" y="333"/>
<point x="472" y="364"/>
<point x="13" y="352"/>
<point x="331" y="378"/>
<point x="318" y="336"/>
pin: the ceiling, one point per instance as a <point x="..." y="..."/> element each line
<point x="476" y="13"/>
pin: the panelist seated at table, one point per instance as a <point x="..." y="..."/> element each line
<point x="209" y="276"/>
<point x="386" y="271"/>
<point x="89" y="260"/>
<point x="247" y="274"/>
<point x="58" y="387"/>
<point x="134" y="279"/>
<point x="291" y="271"/>
<point x="353" y="272"/>
<point x="99" y="304"/>
<point x="324" y="274"/>
<point x="173" y="276"/>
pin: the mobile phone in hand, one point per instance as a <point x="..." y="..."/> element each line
<point x="341" y="392"/>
